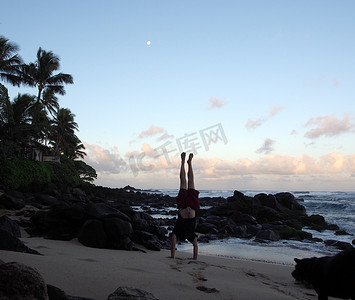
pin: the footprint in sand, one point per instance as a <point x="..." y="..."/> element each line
<point x="42" y="247"/>
<point x="88" y="259"/>
<point x="178" y="265"/>
<point x="175" y="267"/>
<point x="278" y="286"/>
<point x="207" y="290"/>
<point x="197" y="276"/>
<point x="196" y="273"/>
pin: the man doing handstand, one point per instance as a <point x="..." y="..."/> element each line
<point x="187" y="203"/>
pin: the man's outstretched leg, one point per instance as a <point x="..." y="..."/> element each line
<point x="173" y="245"/>
<point x="190" y="173"/>
<point x="183" y="185"/>
<point x="195" y="248"/>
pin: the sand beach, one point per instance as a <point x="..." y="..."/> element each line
<point x="96" y="273"/>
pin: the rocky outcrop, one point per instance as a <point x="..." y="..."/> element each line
<point x="105" y="218"/>
<point x="129" y="293"/>
<point x="98" y="217"/>
<point x="11" y="243"/>
<point x="264" y="217"/>
<point x="10" y="226"/>
<point x="55" y="293"/>
<point x="10" y="202"/>
<point x="18" y="281"/>
<point x="92" y="234"/>
<point x="338" y="244"/>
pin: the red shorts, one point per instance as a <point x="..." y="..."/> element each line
<point x="187" y="198"/>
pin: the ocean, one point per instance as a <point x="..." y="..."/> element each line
<point x="336" y="207"/>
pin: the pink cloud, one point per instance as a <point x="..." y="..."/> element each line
<point x="165" y="136"/>
<point x="316" y="82"/>
<point x="216" y="103"/>
<point x="104" y="160"/>
<point x="109" y="161"/>
<point x="329" y="126"/>
<point x="322" y="80"/>
<point x="275" y="110"/>
<point x="275" y="164"/>
<point x="252" y="124"/>
<point x="274" y="169"/>
<point x="152" y="130"/>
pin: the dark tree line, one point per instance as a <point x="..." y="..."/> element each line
<point x="35" y="121"/>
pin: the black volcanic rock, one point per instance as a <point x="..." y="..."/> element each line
<point x="10" y="226"/>
<point x="338" y="244"/>
<point x="10" y="202"/>
<point x="92" y="234"/>
<point x="129" y="293"/>
<point x="104" y="217"/>
<point x="11" y="243"/>
<point x="18" y="281"/>
<point x="55" y="293"/>
<point x="103" y="210"/>
<point x="47" y="200"/>
<point x="267" y="235"/>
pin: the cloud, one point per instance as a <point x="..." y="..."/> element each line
<point x="275" y="110"/>
<point x="216" y="103"/>
<point x="336" y="82"/>
<point x="271" y="171"/>
<point x="155" y="130"/>
<point x="267" y="147"/>
<point x="165" y="136"/>
<point x="332" y="163"/>
<point x="329" y="126"/>
<point x="104" y="160"/>
<point x="152" y="130"/>
<point x="315" y="83"/>
<point x="252" y="124"/>
<point x="320" y="81"/>
<point x="293" y="132"/>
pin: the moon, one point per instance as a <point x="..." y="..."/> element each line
<point x="148" y="43"/>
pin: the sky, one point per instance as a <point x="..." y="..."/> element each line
<point x="261" y="92"/>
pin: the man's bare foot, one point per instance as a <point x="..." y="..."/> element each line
<point x="190" y="158"/>
<point x="183" y="155"/>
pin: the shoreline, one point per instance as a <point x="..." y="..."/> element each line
<point x="96" y="273"/>
<point x="273" y="252"/>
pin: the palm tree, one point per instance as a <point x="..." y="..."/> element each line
<point x="10" y="61"/>
<point x="75" y="148"/>
<point x="22" y="108"/>
<point x="79" y="149"/>
<point x="5" y="107"/>
<point x="62" y="133"/>
<point x="19" y="127"/>
<point x="22" y="124"/>
<point x="40" y="74"/>
<point x="50" y="102"/>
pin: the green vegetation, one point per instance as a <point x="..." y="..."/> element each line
<point x="30" y="124"/>
<point x="297" y="234"/>
<point x="22" y="172"/>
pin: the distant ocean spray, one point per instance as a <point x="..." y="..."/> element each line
<point x="336" y="207"/>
